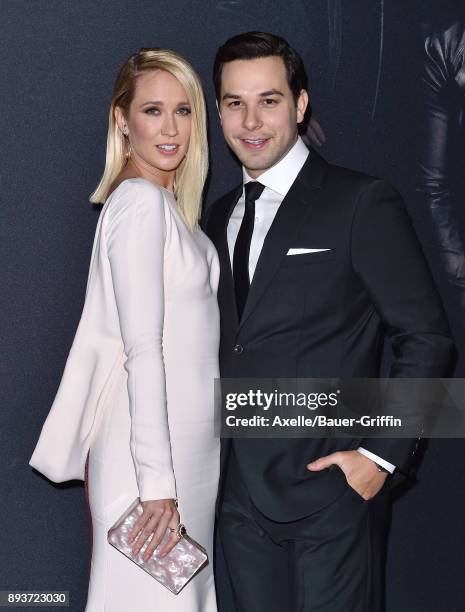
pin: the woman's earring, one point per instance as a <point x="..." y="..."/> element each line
<point x="124" y="131"/>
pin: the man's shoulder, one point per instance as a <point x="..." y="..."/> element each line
<point x="337" y="178"/>
<point x="358" y="190"/>
<point x="350" y="178"/>
<point x="368" y="196"/>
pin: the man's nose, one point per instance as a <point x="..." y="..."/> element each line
<point x="252" y="120"/>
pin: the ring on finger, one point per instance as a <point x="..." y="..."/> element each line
<point x="180" y="530"/>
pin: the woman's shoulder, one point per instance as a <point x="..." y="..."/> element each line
<point x="136" y="187"/>
<point x="134" y="192"/>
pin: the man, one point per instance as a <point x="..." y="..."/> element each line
<point x="315" y="261"/>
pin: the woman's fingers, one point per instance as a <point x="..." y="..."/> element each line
<point x="139" y="524"/>
<point x="173" y="540"/>
<point x="152" y="524"/>
<point x="165" y="520"/>
<point x="147" y="530"/>
<point x="149" y="508"/>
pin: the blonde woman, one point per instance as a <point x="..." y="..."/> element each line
<point x="134" y="413"/>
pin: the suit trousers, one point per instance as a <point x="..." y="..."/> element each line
<point x="330" y="561"/>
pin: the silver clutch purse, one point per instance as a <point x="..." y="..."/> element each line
<point x="174" y="570"/>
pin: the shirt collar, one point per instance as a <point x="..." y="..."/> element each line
<point x="280" y="177"/>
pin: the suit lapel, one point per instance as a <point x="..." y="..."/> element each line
<point x="297" y="203"/>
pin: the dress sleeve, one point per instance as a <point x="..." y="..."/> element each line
<point x="136" y="234"/>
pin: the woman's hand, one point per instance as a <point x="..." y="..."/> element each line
<point x="157" y="516"/>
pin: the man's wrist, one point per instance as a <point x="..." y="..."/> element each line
<point x="379" y="461"/>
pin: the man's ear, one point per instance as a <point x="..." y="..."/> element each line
<point x="302" y="103"/>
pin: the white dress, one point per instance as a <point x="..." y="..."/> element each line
<point x="156" y="437"/>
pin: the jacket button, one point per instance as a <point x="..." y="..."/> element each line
<point x="238" y="349"/>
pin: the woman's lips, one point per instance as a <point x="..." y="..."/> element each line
<point x="168" y="149"/>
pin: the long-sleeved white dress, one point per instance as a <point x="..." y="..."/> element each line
<point x="154" y="436"/>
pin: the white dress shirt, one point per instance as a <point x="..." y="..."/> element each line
<point x="277" y="180"/>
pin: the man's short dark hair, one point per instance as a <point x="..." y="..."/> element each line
<point x="252" y="45"/>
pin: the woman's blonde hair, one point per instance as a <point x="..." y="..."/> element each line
<point x="191" y="175"/>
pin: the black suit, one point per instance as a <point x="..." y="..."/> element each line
<point x="324" y="315"/>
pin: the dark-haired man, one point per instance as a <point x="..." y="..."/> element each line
<point x="315" y="260"/>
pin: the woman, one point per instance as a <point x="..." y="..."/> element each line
<point x="136" y="397"/>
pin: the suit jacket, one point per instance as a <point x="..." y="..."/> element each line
<point x="324" y="315"/>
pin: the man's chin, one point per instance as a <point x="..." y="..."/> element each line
<point x="254" y="163"/>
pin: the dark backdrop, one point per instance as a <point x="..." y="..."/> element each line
<point x="58" y="63"/>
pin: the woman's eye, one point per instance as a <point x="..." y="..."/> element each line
<point x="152" y="111"/>
<point x="184" y="111"/>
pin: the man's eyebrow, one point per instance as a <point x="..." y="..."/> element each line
<point x="264" y="94"/>
<point x="271" y="92"/>
<point x="230" y="96"/>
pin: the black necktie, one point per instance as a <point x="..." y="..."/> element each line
<point x="253" y="191"/>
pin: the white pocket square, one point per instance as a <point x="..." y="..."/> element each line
<point x="302" y="251"/>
